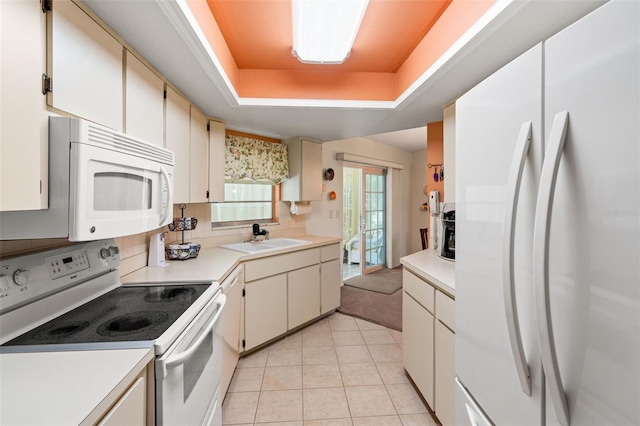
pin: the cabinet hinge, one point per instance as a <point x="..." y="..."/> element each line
<point x="164" y="95"/>
<point x="47" y="84"/>
<point x="47" y="5"/>
<point x="207" y="194"/>
<point x="243" y="292"/>
<point x="208" y="127"/>
<point x="41" y="186"/>
<point x="244" y="343"/>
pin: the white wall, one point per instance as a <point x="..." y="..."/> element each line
<point x="326" y="215"/>
<point x="449" y="152"/>
<point x="419" y="217"/>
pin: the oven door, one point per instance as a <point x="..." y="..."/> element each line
<point x="112" y="193"/>
<point x="188" y="373"/>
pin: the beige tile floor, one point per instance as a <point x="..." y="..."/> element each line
<point x="338" y="371"/>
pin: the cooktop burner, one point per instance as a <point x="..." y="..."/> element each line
<point x="128" y="313"/>
<point x="60" y="330"/>
<point x="131" y="323"/>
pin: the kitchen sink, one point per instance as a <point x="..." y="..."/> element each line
<point x="262" y="246"/>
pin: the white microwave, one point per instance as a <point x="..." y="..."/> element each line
<point x="102" y="184"/>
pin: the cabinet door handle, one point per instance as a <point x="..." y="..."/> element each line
<point x="541" y="230"/>
<point x="508" y="234"/>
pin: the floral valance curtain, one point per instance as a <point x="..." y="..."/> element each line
<point x="250" y="160"/>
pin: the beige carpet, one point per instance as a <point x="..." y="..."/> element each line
<point x="374" y="306"/>
<point x="386" y="281"/>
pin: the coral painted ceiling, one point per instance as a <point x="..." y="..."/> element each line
<point x="397" y="42"/>
<point x="259" y="35"/>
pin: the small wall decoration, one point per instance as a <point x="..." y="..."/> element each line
<point x="329" y="174"/>
<point x="437" y="176"/>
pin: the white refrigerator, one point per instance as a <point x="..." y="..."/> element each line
<point x="548" y="231"/>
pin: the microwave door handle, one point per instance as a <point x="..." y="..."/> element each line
<point x="508" y="234"/>
<point x="541" y="235"/>
<point x="169" y="198"/>
<point x="182" y="357"/>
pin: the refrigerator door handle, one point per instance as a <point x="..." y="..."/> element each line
<point x="508" y="234"/>
<point x="541" y="235"/>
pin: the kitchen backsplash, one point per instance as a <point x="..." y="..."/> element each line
<point x="134" y="249"/>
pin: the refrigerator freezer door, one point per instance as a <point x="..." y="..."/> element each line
<point x="488" y="122"/>
<point x="592" y="70"/>
<point x="468" y="412"/>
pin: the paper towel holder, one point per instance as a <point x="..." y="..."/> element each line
<point x="293" y="206"/>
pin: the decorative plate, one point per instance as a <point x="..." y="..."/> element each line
<point x="329" y="174"/>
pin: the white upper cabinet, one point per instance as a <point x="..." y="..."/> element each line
<point x="216" y="161"/>
<point x="305" y="170"/>
<point x="85" y="64"/>
<point x="199" y="167"/>
<point x="23" y="121"/>
<point x="144" y="102"/>
<point x="177" y="140"/>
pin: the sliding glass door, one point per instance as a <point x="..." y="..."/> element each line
<point x="373" y="220"/>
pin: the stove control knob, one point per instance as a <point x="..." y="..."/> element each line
<point x="114" y="250"/>
<point x="21" y="277"/>
<point x="105" y="253"/>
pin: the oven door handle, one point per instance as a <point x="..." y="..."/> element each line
<point x="182" y="357"/>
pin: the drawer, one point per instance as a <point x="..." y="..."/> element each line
<point x="446" y="310"/>
<point x="273" y="265"/>
<point x="329" y="252"/>
<point x="419" y="289"/>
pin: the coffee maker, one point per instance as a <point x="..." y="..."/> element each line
<point x="448" y="246"/>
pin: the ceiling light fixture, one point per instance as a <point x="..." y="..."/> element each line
<point x="324" y="30"/>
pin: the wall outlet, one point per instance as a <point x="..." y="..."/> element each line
<point x="330" y="214"/>
<point x="289" y="222"/>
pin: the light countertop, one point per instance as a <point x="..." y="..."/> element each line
<point x="430" y="267"/>
<point x="213" y="263"/>
<point x="65" y="388"/>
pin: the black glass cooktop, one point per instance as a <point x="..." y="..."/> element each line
<point x="128" y="313"/>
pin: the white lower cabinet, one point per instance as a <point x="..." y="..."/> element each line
<point x="265" y="310"/>
<point x="428" y="321"/>
<point x="418" y="346"/>
<point x="131" y="408"/>
<point x="445" y="373"/>
<point x="285" y="291"/>
<point x="303" y="295"/>
<point x="330" y="273"/>
<point x="330" y="277"/>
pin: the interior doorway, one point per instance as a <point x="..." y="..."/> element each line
<point x="364" y="220"/>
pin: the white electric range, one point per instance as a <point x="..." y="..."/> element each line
<point x="71" y="298"/>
